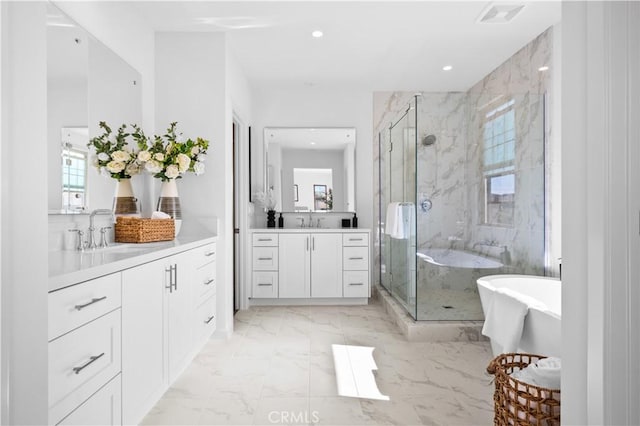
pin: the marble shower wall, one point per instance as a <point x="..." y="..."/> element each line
<point x="449" y="172"/>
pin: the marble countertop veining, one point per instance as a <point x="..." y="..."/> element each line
<point x="71" y="267"/>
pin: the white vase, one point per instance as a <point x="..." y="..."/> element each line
<point x="169" y="202"/>
<point x="124" y="202"/>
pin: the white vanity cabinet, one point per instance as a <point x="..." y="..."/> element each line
<point x="84" y="349"/>
<point x="326" y="265"/>
<point x="165" y="306"/>
<point x="299" y="264"/>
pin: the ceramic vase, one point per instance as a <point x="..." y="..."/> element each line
<point x="169" y="202"/>
<point x="271" y="218"/>
<point x="124" y="202"/>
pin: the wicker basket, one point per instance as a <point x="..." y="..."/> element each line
<point x="518" y="403"/>
<point x="137" y="230"/>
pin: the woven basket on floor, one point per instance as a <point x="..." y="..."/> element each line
<point x="137" y="230"/>
<point x="517" y="403"/>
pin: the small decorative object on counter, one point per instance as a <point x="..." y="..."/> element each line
<point x="137" y="230"/>
<point x="115" y="159"/>
<point x="346" y="223"/>
<point x="124" y="203"/>
<point x="281" y="221"/>
<point x="271" y="218"/>
<point x="267" y="200"/>
<point x="354" y="221"/>
<point x="167" y="158"/>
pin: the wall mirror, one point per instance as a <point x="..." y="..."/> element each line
<point x="311" y="169"/>
<point x="86" y="83"/>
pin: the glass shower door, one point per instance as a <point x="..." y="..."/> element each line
<point x="400" y="221"/>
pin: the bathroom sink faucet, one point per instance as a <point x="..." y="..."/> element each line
<point x="91" y="237"/>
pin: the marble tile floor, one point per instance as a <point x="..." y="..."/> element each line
<point x="277" y="369"/>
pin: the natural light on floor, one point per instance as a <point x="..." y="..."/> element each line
<point x="354" y="372"/>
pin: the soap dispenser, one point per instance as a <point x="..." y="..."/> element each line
<point x="505" y="256"/>
<point x="280" y="221"/>
<point x="354" y="221"/>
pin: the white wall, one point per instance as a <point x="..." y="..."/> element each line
<point x="601" y="204"/>
<point x="24" y="269"/>
<point x="196" y="97"/>
<point x="319" y="107"/>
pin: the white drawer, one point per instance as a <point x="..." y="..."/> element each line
<point x="205" y="254"/>
<point x="103" y="408"/>
<point x="265" y="240"/>
<point x="265" y="285"/>
<point x="205" y="319"/>
<point x="265" y="258"/>
<point x="81" y="362"/>
<point x="355" y="284"/>
<point x="205" y="283"/>
<point x="355" y="258"/>
<point x="355" y="239"/>
<point x="71" y="307"/>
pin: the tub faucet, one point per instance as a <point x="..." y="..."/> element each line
<point x="91" y="237"/>
<point x="487" y="243"/>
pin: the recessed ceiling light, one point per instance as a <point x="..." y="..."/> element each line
<point x="544" y="68"/>
<point x="317" y="34"/>
<point x="313" y="143"/>
<point x="447" y="68"/>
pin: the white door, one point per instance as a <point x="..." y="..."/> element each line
<point x="326" y="265"/>
<point x="294" y="266"/>
<point x="180" y="318"/>
<point x="143" y="369"/>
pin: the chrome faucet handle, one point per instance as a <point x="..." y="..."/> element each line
<point x="91" y="238"/>
<point x="103" y="237"/>
<point x="301" y="221"/>
<point x="318" y="223"/>
<point x="79" y="241"/>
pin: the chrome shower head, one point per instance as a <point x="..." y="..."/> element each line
<point x="428" y="140"/>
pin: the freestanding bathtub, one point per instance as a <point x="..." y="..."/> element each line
<point x="541" y="332"/>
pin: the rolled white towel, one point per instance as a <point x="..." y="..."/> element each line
<point x="544" y="373"/>
<point x="160" y="215"/>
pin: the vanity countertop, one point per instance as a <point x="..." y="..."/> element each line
<point x="308" y="230"/>
<point x="71" y="267"/>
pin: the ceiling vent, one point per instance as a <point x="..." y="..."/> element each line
<point x="499" y="13"/>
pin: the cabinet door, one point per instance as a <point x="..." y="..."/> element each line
<point x="294" y="266"/>
<point x="143" y="370"/>
<point x="180" y="313"/>
<point x="326" y="265"/>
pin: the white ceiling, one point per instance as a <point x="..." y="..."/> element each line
<point x="310" y="138"/>
<point x="371" y="45"/>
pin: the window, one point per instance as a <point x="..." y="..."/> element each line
<point x="499" y="147"/>
<point x="74" y="179"/>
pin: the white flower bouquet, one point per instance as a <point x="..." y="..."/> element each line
<point x="114" y="158"/>
<point x="170" y="156"/>
<point x="166" y="157"/>
<point x="266" y="200"/>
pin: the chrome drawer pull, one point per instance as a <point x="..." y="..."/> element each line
<point x="265" y="258"/>
<point x="209" y="281"/>
<point x="211" y="253"/>
<point x="356" y="258"/>
<point x="94" y="300"/>
<point x="355" y="239"/>
<point x="264" y="239"/>
<point x="356" y="283"/>
<point x="92" y="359"/>
<point x="207" y="321"/>
<point x="264" y="284"/>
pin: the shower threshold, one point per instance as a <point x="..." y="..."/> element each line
<point x="430" y="331"/>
